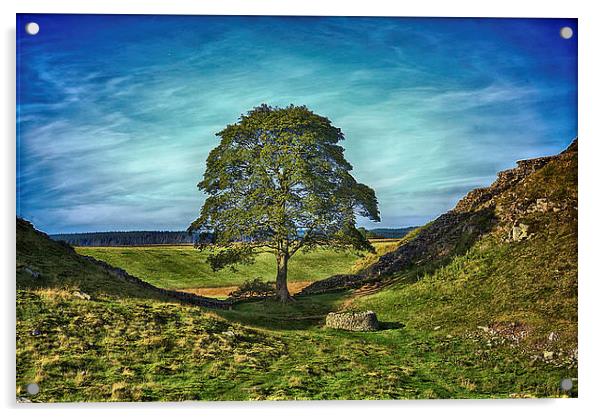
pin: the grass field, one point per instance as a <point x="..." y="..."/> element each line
<point x="179" y="267"/>
<point x="128" y="344"/>
<point x="130" y="350"/>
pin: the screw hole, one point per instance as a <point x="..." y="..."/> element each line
<point x="566" y="32"/>
<point x="33" y="388"/>
<point x="32" y="28"/>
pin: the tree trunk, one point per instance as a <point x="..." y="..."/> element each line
<point x="281" y="287"/>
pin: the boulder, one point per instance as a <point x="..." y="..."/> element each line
<point x="519" y="232"/>
<point x="360" y="322"/>
<point x="34" y="274"/>
<point x="81" y="295"/>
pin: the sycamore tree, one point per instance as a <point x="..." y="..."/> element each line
<point x="279" y="182"/>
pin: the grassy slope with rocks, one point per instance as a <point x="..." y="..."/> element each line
<point x="519" y="290"/>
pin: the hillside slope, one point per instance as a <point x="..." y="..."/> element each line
<point x="507" y="276"/>
<point x="44" y="263"/>
<point x="84" y="334"/>
<point x="126" y="344"/>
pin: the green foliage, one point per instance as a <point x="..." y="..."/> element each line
<point x="278" y="180"/>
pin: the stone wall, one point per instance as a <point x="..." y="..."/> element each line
<point x="360" y="322"/>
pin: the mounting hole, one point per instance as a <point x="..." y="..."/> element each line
<point x="32" y="28"/>
<point x="566" y="32"/>
<point x="566" y="384"/>
<point x="33" y="388"/>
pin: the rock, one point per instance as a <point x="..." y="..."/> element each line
<point x="552" y="337"/>
<point x="229" y="334"/>
<point x="542" y="205"/>
<point x="81" y="295"/>
<point x="361" y="322"/>
<point x="333" y="283"/>
<point x="519" y="232"/>
<point x="34" y="274"/>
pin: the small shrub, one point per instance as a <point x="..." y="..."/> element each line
<point x="254" y="288"/>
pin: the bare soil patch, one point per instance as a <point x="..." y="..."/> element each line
<point x="293" y="287"/>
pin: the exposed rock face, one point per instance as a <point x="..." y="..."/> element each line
<point x="503" y="206"/>
<point x="359" y="322"/>
<point x="505" y="180"/>
<point x="34" y="274"/>
<point x="81" y="295"/>
<point x="449" y="233"/>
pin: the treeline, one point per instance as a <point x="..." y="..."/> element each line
<point x="138" y="238"/>
<point x="387" y="233"/>
<point x="141" y="238"/>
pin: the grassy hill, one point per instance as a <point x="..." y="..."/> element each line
<point x="185" y="267"/>
<point x="481" y="303"/>
<point x="517" y="284"/>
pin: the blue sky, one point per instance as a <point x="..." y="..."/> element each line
<point x="116" y="114"/>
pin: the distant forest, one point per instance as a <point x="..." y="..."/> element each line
<point x="388" y="233"/>
<point x="127" y="238"/>
<point x="143" y="238"/>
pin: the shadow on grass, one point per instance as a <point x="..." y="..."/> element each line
<point x="390" y="325"/>
<point x="304" y="313"/>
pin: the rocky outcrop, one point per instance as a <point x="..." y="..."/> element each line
<point x="449" y="234"/>
<point x="475" y="215"/>
<point x="501" y="206"/>
<point x="519" y="232"/>
<point x="359" y="322"/>
<point x="484" y="197"/>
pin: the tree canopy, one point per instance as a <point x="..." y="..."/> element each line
<point x="278" y="181"/>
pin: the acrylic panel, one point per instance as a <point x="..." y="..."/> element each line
<point x="295" y="208"/>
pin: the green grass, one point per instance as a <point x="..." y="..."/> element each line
<point x="185" y="267"/>
<point x="129" y="350"/>
<point x="126" y="344"/>
<point x="488" y="286"/>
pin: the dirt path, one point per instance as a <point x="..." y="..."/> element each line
<point x="293" y="287"/>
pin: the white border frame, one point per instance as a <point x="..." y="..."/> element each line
<point x="590" y="68"/>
